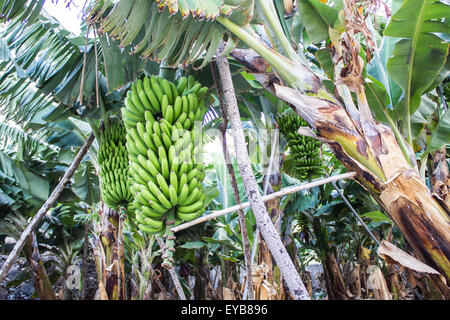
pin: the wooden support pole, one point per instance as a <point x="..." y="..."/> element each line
<point x="282" y="192"/>
<point x="237" y="199"/>
<point x="263" y="222"/>
<point x="47" y="205"/>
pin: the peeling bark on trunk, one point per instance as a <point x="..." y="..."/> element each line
<point x="307" y="280"/>
<point x="352" y="279"/>
<point x="337" y="284"/>
<point x="264" y="255"/>
<point x="440" y="179"/>
<point x="200" y="276"/>
<point x="42" y="284"/>
<point x="110" y="255"/>
<point x="436" y="292"/>
<point x="385" y="173"/>
<point x="85" y="262"/>
<point x="394" y="282"/>
<point x="420" y="218"/>
<point x="377" y="283"/>
<point x="371" y="150"/>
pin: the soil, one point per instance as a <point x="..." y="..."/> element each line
<point x="22" y="292"/>
<point x="25" y="290"/>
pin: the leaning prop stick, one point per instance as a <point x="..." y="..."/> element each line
<point x="47" y="205"/>
<point x="269" y="197"/>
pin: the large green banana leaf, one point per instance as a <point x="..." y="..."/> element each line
<point x="25" y="10"/>
<point x="441" y="134"/>
<point x="420" y="54"/>
<point x="86" y="183"/>
<point x="180" y="31"/>
<point x="317" y="18"/>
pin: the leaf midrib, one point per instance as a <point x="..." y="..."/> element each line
<point x="414" y="41"/>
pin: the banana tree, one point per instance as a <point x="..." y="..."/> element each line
<point x="44" y="70"/>
<point x="370" y="134"/>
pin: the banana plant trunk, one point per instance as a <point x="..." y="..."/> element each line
<point x="41" y="281"/>
<point x="334" y="280"/>
<point x="440" y="178"/>
<point x="109" y="255"/>
<point x="367" y="147"/>
<point x="383" y="170"/>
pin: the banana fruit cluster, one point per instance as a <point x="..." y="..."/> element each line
<point x="304" y="150"/>
<point x="113" y="161"/>
<point x="159" y="117"/>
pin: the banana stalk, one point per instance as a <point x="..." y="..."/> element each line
<point x="109" y="255"/>
<point x="162" y="144"/>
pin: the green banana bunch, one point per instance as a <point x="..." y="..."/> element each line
<point x="159" y="117"/>
<point x="304" y="150"/>
<point x="113" y="161"/>
<point x="303" y="227"/>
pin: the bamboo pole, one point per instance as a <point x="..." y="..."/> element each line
<point x="263" y="222"/>
<point x="47" y="205"/>
<point x="282" y="192"/>
<point x="229" y="165"/>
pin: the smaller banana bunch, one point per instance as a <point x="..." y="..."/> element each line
<point x="161" y="139"/>
<point x="304" y="150"/>
<point x="113" y="160"/>
<point x="303" y="227"/>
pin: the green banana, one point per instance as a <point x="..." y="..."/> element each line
<point x="166" y="140"/>
<point x="177" y="107"/>
<point x="164" y="105"/>
<point x="157" y="207"/>
<point x="190" y="208"/>
<point x="304" y="150"/>
<point x="182" y="82"/>
<point x="148" y="229"/>
<point x="182" y="181"/>
<point x="164" y="201"/>
<point x="187" y="216"/>
<point x="174" y="165"/>
<point x="173" y="179"/>
<point x="173" y="195"/>
<point x="146" y="103"/>
<point x="148" y="212"/>
<point x="167" y="90"/>
<point x="154" y="159"/>
<point x="183" y="194"/>
<point x="156" y="88"/>
<point x="163" y="184"/>
<point x="192" y="197"/>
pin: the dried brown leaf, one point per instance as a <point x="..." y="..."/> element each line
<point x="377" y="283"/>
<point x="393" y="255"/>
<point x="228" y="294"/>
